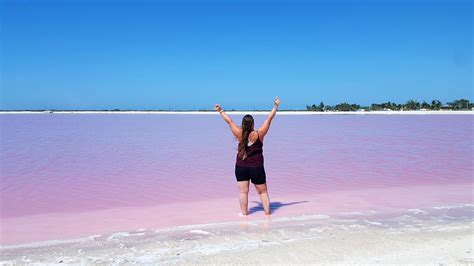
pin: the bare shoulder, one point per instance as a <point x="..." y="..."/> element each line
<point x="259" y="135"/>
<point x="238" y="134"/>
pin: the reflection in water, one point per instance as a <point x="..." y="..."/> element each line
<point x="246" y="225"/>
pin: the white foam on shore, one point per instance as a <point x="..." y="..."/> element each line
<point x="372" y="222"/>
<point x="195" y="228"/>
<point x="93" y="237"/>
<point x="200" y="232"/>
<point x="118" y="235"/>
<point x="167" y="246"/>
<point x="305" y="217"/>
<point x="351" y="213"/>
<point x="417" y="211"/>
<point x="198" y="228"/>
<point x="456" y="206"/>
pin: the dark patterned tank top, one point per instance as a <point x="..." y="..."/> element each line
<point x="254" y="155"/>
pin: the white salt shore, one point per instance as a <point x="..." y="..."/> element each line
<point x="249" y="112"/>
<point x="303" y="239"/>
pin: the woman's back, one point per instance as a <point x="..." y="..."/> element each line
<point x="254" y="154"/>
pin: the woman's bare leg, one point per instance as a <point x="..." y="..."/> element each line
<point x="262" y="191"/>
<point x="244" y="196"/>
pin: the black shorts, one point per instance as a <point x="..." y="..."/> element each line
<point x="256" y="174"/>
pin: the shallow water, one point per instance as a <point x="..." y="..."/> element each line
<point x="185" y="244"/>
<point x="59" y="172"/>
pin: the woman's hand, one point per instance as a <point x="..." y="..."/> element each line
<point x="266" y="125"/>
<point x="233" y="127"/>
<point x="218" y="107"/>
<point x="277" y="101"/>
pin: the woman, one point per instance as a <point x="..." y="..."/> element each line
<point x="249" y="161"/>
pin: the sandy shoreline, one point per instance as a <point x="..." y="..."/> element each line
<point x="249" y="112"/>
<point x="416" y="236"/>
<point x="450" y="245"/>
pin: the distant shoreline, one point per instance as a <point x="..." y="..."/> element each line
<point x="413" y="112"/>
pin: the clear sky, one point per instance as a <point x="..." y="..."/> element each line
<point x="192" y="54"/>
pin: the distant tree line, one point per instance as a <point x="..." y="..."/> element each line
<point x="461" y="104"/>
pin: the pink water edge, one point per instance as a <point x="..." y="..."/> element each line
<point x="67" y="176"/>
<point x="75" y="225"/>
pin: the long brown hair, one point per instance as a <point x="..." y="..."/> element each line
<point x="247" y="127"/>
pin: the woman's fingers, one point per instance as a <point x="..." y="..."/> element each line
<point x="277" y="100"/>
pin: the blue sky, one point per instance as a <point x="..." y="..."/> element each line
<point x="192" y="54"/>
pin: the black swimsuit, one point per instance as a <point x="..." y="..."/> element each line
<point x="252" y="167"/>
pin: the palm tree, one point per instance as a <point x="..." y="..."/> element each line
<point x="436" y="105"/>
<point x="412" y="105"/>
<point x="321" y="107"/>
<point x="425" y="105"/>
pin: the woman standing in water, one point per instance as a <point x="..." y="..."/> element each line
<point x="249" y="160"/>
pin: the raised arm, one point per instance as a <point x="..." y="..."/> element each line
<point x="233" y="127"/>
<point x="262" y="131"/>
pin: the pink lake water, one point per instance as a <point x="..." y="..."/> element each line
<point x="74" y="175"/>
